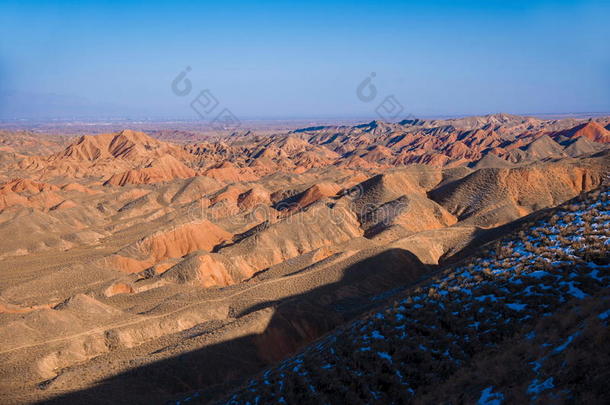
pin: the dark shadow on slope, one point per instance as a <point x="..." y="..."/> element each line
<point x="297" y="321"/>
<point x="486" y="236"/>
<point x="308" y="129"/>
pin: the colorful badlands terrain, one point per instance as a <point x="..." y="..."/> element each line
<point x="377" y="262"/>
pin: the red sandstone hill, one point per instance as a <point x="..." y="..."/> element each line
<point x="103" y="156"/>
<point x="590" y="130"/>
<point x="163" y="169"/>
<point x="127" y="145"/>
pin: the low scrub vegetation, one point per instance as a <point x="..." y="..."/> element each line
<point x="525" y="320"/>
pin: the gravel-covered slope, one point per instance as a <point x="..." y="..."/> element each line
<point x="504" y="317"/>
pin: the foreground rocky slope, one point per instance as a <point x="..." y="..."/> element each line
<point x="516" y="323"/>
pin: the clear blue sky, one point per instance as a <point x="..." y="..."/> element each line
<point x="270" y="59"/>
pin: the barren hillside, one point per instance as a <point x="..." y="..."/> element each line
<point x="514" y="323"/>
<point x="137" y="270"/>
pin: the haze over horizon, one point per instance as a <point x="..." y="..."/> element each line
<point x="97" y="60"/>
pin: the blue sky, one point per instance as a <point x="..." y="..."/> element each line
<point x="269" y="59"/>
